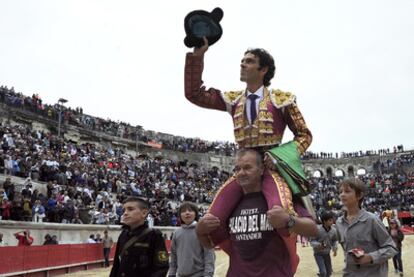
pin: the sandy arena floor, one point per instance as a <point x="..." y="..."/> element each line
<point x="307" y="266"/>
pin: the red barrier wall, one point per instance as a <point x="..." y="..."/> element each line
<point x="23" y="258"/>
<point x="407" y="230"/>
<point x="168" y="245"/>
<point x="404" y="214"/>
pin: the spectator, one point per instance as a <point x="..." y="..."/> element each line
<point x="188" y="256"/>
<point x="27" y="191"/>
<point x="356" y="225"/>
<point x="24" y="238"/>
<point x="54" y="239"/>
<point x="9" y="188"/>
<point x="76" y="220"/>
<point x="17" y="208"/>
<point x="173" y="220"/>
<point x="397" y="236"/>
<point x="38" y="211"/>
<point x="6" y="209"/>
<point x="27" y="209"/>
<point x="323" y="243"/>
<point x="107" y="245"/>
<point x="98" y="238"/>
<point x="2" y="242"/>
<point x="49" y="240"/>
<point x="68" y="211"/>
<point x="91" y="239"/>
<point x="52" y="209"/>
<point x="150" y="220"/>
<point x="153" y="260"/>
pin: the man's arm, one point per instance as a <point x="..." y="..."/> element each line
<point x="305" y="227"/>
<point x="297" y="124"/>
<point x="29" y="240"/>
<point x="207" y="224"/>
<point x="314" y="242"/>
<point x="195" y="92"/>
<point x="279" y="217"/>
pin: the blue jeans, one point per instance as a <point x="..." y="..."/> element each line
<point x="106" y="252"/>
<point x="324" y="264"/>
<point x="396" y="260"/>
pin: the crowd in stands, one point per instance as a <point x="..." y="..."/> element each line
<point x="395" y="164"/>
<point x="384" y="192"/>
<point x="124" y="130"/>
<point x="87" y="183"/>
<point x="120" y="129"/>
<point x="325" y="155"/>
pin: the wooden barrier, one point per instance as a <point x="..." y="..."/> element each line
<point x="15" y="259"/>
<point x="52" y="259"/>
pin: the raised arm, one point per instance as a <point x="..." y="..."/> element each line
<point x="195" y="92"/>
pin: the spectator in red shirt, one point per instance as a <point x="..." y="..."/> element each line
<point x="6" y="207"/>
<point x="24" y="238"/>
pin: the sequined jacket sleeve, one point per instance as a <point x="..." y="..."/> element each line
<point x="297" y="124"/>
<point x="195" y="92"/>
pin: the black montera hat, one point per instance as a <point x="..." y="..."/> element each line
<point x="199" y="24"/>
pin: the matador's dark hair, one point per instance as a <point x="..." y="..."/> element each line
<point x="265" y="60"/>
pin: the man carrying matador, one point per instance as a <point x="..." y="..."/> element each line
<point x="260" y="116"/>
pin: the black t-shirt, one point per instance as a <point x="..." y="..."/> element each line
<point x="250" y="230"/>
<point x="256" y="248"/>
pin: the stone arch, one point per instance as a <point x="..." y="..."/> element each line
<point x="309" y="171"/>
<point x="329" y="172"/>
<point x="317" y="173"/>
<point x="351" y="172"/>
<point x="361" y="171"/>
<point x="339" y="172"/>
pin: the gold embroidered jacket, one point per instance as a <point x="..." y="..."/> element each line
<point x="277" y="110"/>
